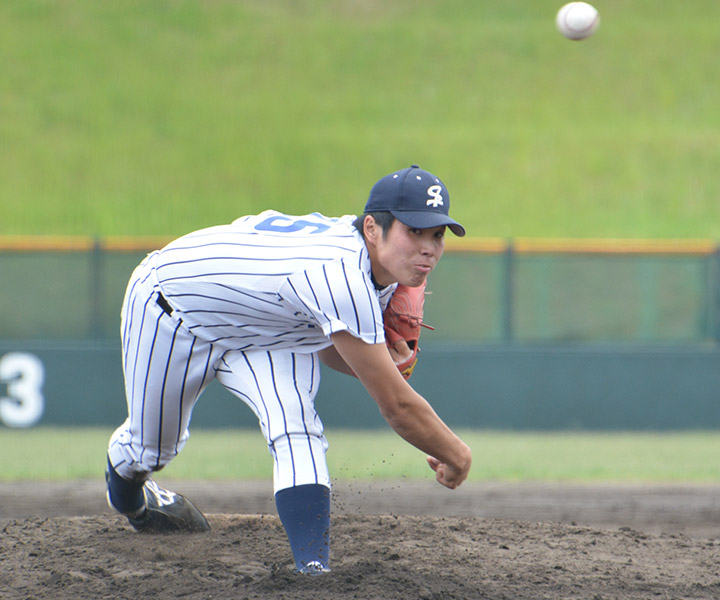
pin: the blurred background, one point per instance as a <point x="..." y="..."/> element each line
<point x="586" y="294"/>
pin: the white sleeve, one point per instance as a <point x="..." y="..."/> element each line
<point x="338" y="298"/>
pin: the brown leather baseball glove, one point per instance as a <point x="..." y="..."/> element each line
<point x="403" y="319"/>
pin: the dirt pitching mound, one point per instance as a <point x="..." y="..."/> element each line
<point x="423" y="543"/>
<point x="382" y="556"/>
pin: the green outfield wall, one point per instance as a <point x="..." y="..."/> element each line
<point x="529" y="334"/>
<point x="515" y="387"/>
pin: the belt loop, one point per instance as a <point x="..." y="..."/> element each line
<point x="163" y="303"/>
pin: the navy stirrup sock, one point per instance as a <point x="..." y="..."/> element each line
<point x="305" y="513"/>
<point x="126" y="496"/>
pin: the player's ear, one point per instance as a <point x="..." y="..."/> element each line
<point x="371" y="228"/>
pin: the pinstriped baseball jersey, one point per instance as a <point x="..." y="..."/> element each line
<point x="273" y="281"/>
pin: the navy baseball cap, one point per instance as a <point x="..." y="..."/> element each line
<point x="414" y="197"/>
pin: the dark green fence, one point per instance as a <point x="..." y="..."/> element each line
<point x="481" y="292"/>
<point x="577" y="293"/>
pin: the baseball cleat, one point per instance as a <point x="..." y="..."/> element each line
<point x="314" y="567"/>
<point x="167" y="511"/>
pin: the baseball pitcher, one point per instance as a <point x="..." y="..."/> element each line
<point x="257" y="305"/>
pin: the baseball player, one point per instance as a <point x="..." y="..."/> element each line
<point x="257" y="305"/>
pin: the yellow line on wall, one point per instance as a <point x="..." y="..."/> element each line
<point x="582" y="246"/>
<point x="46" y="243"/>
<point x="614" y="246"/>
<point x="455" y="245"/>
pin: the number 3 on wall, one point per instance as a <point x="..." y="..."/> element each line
<point x="24" y="376"/>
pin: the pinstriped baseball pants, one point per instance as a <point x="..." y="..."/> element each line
<point x="166" y="368"/>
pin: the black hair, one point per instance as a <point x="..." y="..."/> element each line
<point x="383" y="218"/>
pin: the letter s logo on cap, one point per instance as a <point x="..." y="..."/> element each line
<point x="436" y="198"/>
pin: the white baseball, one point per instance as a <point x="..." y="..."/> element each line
<point x="577" y="20"/>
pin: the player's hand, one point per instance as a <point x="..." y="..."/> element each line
<point x="446" y="475"/>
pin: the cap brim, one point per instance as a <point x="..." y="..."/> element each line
<point x="426" y="219"/>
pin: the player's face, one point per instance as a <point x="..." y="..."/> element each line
<point x="406" y="255"/>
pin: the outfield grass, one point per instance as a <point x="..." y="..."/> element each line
<point x="156" y="118"/>
<point x="57" y="454"/>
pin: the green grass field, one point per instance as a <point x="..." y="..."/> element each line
<point x="497" y="456"/>
<point x="156" y="118"/>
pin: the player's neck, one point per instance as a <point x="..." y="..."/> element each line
<point x="375" y="283"/>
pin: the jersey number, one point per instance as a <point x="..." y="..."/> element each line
<point x="24" y="376"/>
<point x="286" y="225"/>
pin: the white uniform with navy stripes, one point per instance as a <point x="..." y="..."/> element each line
<point x="250" y="305"/>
